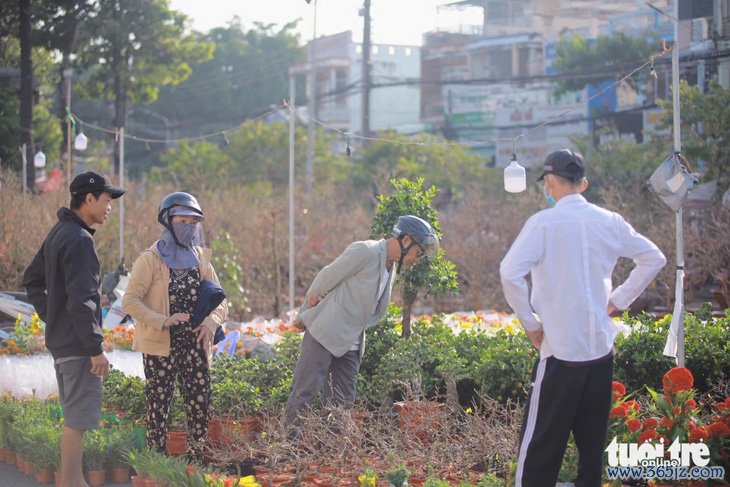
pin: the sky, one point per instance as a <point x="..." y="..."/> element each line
<point x="393" y="21"/>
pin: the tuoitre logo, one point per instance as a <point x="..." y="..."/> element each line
<point x="633" y="454"/>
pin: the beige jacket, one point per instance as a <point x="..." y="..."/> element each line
<point x="147" y="300"/>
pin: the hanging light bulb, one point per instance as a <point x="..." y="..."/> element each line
<point x="39" y="159"/>
<point x="81" y="142"/>
<point x="514" y="177"/>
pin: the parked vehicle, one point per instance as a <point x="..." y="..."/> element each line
<point x="12" y="305"/>
<point x="113" y="286"/>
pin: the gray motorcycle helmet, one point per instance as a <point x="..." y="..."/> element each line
<point x="187" y="204"/>
<point x="420" y="231"/>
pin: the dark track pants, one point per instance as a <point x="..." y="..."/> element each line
<point x="565" y="397"/>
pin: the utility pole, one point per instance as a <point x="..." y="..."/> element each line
<point x="366" y="71"/>
<point x="26" y="89"/>
<point x="67" y="72"/>
<point x="312" y="105"/>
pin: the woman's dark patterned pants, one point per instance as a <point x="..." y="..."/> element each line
<point x="188" y="365"/>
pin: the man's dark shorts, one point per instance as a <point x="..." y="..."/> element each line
<point x="80" y="394"/>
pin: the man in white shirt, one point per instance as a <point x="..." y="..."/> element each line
<point x="570" y="251"/>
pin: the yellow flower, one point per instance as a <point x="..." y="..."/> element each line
<point x="249" y="481"/>
<point x="468" y="411"/>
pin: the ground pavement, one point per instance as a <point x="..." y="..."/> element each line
<point x="11" y="477"/>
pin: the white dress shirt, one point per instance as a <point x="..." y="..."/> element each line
<point x="570" y="251"/>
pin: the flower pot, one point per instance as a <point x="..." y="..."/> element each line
<point x="9" y="457"/>
<point x="3" y="454"/>
<point x="95" y="478"/>
<point x="228" y="431"/>
<point x="44" y="476"/>
<point x="152" y="483"/>
<point x="177" y="442"/>
<point x="138" y="481"/>
<point x="120" y="475"/>
<point x="419" y="418"/>
<point x="57" y="478"/>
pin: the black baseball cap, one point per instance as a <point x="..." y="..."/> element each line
<point x="90" y="182"/>
<point x="564" y="163"/>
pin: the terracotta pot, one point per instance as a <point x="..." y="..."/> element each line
<point x="152" y="483"/>
<point x="57" y="478"/>
<point x="95" y="478"/>
<point x="9" y="457"/>
<point x="229" y="431"/>
<point x="3" y="453"/>
<point x="120" y="475"/>
<point x="419" y="418"/>
<point x="44" y="476"/>
<point x="138" y="481"/>
<point x="177" y="442"/>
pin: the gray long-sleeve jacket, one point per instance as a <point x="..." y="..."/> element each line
<point x="351" y="303"/>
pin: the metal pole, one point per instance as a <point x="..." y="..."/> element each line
<point x="24" y="159"/>
<point x="69" y="146"/>
<point x="312" y="105"/>
<point x="678" y="312"/>
<point x="292" y="114"/>
<point x="366" y="71"/>
<point x="121" y="200"/>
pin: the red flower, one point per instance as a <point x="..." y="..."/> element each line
<point x="667" y="422"/>
<point x="690" y="404"/>
<point x="677" y="410"/>
<point x="618" y="389"/>
<point x="619" y="411"/>
<point x="650" y="423"/>
<point x="718" y="430"/>
<point x="633" y="425"/>
<point x="677" y="379"/>
<point x="648" y="435"/>
<point x="724" y="406"/>
<point x="698" y="434"/>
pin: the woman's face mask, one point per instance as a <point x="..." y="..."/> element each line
<point x="184" y="232"/>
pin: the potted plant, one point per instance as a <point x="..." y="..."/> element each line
<point x="119" y="441"/>
<point x="233" y="403"/>
<point x="95" y="456"/>
<point x="398" y="477"/>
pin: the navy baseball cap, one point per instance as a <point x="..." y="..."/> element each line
<point x="564" y="163"/>
<point x="90" y="182"/>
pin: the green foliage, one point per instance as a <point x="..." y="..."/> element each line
<point x="398" y="157"/>
<point x="604" y="57"/>
<point x="45" y="437"/>
<point x="639" y="359"/>
<point x="95" y="450"/>
<point x="435" y="276"/>
<point x="246" y="75"/>
<point x="380" y="340"/>
<point x="503" y="369"/>
<point x="126" y="394"/>
<point x="397" y="477"/>
<point x="704" y="121"/>
<point x="226" y="262"/>
<point x="640" y="362"/>
<point x="202" y="165"/>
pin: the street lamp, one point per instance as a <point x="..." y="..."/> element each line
<point x="81" y="142"/>
<point x="515" y="180"/>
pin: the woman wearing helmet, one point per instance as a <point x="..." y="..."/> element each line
<point x="347" y="296"/>
<point x="163" y="288"/>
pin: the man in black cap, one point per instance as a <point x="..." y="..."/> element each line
<point x="570" y="251"/>
<point x="62" y="283"/>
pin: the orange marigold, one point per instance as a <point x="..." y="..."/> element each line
<point x="619" y="412"/>
<point x="698" y="434"/>
<point x="718" y="430"/>
<point x="633" y="425"/>
<point x="648" y="435"/>
<point x="618" y="389"/>
<point x="632" y="406"/>
<point x="677" y="379"/>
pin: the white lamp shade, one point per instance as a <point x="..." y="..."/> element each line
<point x="80" y="142"/>
<point x="39" y="159"/>
<point x="515" y="180"/>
